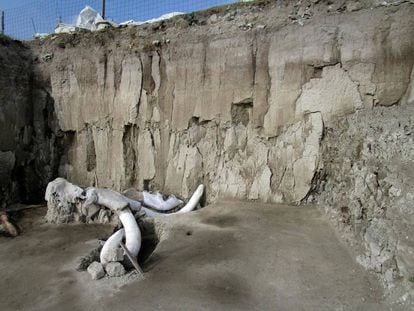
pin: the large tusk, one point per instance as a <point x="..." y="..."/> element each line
<point x="110" y="244"/>
<point x="156" y="201"/>
<point x="132" y="232"/>
<point x="120" y="205"/>
<point x="191" y="205"/>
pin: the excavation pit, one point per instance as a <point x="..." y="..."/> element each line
<point x="303" y="102"/>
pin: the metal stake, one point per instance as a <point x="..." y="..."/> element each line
<point x="103" y="9"/>
<point x="132" y="259"/>
<point x="2" y="22"/>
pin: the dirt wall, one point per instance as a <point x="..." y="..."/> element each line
<point x="273" y="101"/>
<point x="236" y="100"/>
<point x="366" y="186"/>
<point x="28" y="147"/>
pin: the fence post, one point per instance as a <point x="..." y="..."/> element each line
<point x="2" y="22"/>
<point x="103" y="9"/>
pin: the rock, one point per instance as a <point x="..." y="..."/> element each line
<point x="115" y="255"/>
<point x="96" y="270"/>
<point x="92" y="210"/>
<point x="353" y="6"/>
<point x="181" y="23"/>
<point x="115" y="269"/>
<point x="394" y="191"/>
<point x="213" y="19"/>
<point x="47" y="57"/>
<point x="229" y="16"/>
<point x="245" y="26"/>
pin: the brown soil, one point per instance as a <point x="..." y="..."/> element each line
<point x="228" y="256"/>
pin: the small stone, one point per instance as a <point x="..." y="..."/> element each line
<point x="213" y="19"/>
<point x="389" y="276"/>
<point x="394" y="191"/>
<point x="115" y="269"/>
<point x="96" y="270"/>
<point x="157" y="25"/>
<point x="115" y="255"/>
<point x="181" y="23"/>
<point x="229" y="17"/>
<point x="92" y="211"/>
<point x="301" y="12"/>
<point x="47" y="57"/>
<point x="353" y="6"/>
<point x="156" y="42"/>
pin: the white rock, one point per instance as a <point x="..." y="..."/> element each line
<point x="115" y="269"/>
<point x="394" y="191"/>
<point x="115" y="255"/>
<point x="96" y="270"/>
<point x="213" y="19"/>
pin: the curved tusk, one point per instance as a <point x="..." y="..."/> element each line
<point x="156" y="201"/>
<point x="132" y="232"/>
<point x="191" y="205"/>
<point x="153" y="214"/>
<point x="110" y="244"/>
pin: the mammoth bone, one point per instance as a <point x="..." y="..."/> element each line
<point x="122" y="205"/>
<point x="60" y="190"/>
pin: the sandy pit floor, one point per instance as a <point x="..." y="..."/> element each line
<point x="227" y="256"/>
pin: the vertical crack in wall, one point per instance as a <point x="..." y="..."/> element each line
<point x="129" y="156"/>
<point x="90" y="150"/>
<point x="141" y="87"/>
<point x="262" y="81"/>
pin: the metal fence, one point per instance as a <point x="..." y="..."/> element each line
<point x="1" y="21"/>
<point x="42" y="16"/>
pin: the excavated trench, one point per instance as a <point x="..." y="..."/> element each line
<point x="270" y="102"/>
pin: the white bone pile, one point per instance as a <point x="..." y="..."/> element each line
<point x="64" y="193"/>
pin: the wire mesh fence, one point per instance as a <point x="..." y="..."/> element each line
<point x="42" y="16"/>
<point x="1" y="22"/>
